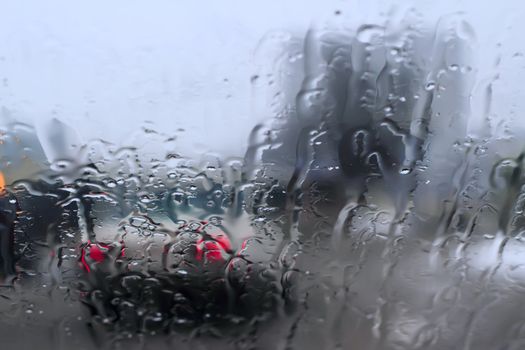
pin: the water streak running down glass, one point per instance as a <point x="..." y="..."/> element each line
<point x="351" y="177"/>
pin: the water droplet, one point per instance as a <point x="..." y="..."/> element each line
<point x="369" y="33"/>
<point x="430" y="86"/>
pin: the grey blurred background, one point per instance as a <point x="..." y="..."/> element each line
<point x="106" y="68"/>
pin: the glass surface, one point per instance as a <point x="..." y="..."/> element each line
<point x="262" y="175"/>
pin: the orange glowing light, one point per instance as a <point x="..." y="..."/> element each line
<point x="2" y="182"/>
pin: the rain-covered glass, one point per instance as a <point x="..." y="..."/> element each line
<point x="262" y="175"/>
